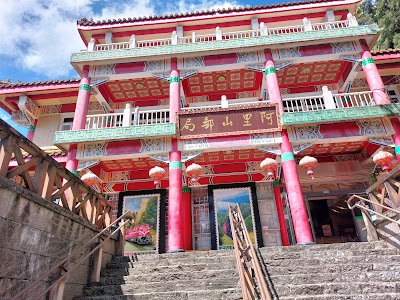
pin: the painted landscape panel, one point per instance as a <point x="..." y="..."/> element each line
<point x="222" y="199"/>
<point x="143" y="234"/>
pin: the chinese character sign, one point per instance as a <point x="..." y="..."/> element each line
<point x="235" y="120"/>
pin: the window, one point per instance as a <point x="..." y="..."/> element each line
<point x="67" y="124"/>
<point x="393" y="96"/>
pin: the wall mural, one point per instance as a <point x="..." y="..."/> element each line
<point x="221" y="197"/>
<point x="148" y="231"/>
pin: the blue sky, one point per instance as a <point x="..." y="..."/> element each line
<point x="37" y="37"/>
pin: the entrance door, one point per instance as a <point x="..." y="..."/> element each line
<point x="201" y="219"/>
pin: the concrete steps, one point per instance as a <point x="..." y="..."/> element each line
<point x="330" y="272"/>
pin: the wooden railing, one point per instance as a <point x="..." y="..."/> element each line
<point x="68" y="264"/>
<point x="252" y="280"/>
<point x="383" y="202"/>
<point x="47" y="178"/>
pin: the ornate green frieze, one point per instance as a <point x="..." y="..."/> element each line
<point x="32" y="128"/>
<point x="185" y="189"/>
<point x="269" y="70"/>
<point x="226" y="44"/>
<point x="175" y="165"/>
<point x="74" y="172"/>
<point x="85" y="87"/>
<point x="341" y="114"/>
<point x="397" y="149"/>
<point x="287" y="156"/>
<point x="174" y="79"/>
<point x="116" y="133"/>
<point x="367" y="61"/>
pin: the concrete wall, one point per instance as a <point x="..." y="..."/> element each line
<point x="45" y="130"/>
<point x="268" y="216"/>
<point x="34" y="235"/>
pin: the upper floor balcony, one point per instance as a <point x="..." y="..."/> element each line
<point x="135" y="123"/>
<point x="194" y="42"/>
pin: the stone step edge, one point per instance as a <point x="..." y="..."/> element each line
<point x="183" y="272"/>
<point x="373" y="264"/>
<point x="265" y="259"/>
<point x="322" y="297"/>
<point x="272" y="276"/>
<point x="333" y="283"/>
<point x="161" y="293"/>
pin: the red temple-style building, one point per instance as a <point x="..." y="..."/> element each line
<point x="174" y="117"/>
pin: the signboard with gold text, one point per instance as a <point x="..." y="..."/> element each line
<point x="235" y="120"/>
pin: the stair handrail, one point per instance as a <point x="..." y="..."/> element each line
<point x="353" y="203"/>
<point x="60" y="265"/>
<point x="246" y="258"/>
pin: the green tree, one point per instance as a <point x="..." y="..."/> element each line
<point x="388" y="18"/>
<point x="386" y="14"/>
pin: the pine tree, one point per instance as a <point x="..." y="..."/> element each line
<point x="386" y="14"/>
<point x="388" y="18"/>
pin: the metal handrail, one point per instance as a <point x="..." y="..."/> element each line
<point x="246" y="259"/>
<point x="60" y="264"/>
<point x="361" y="206"/>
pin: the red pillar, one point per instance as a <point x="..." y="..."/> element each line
<point x="372" y="76"/>
<point x="297" y="205"/>
<point x="281" y="216"/>
<point x="187" y="218"/>
<point x="396" y="136"/>
<point x="82" y="105"/>
<point x="376" y="85"/>
<point x="274" y="93"/>
<point x="175" y="232"/>
<point x="31" y="131"/>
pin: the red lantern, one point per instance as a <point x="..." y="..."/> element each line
<point x="309" y="163"/>
<point x="157" y="173"/>
<point x="90" y="179"/>
<point x="194" y="171"/>
<point x="270" y="166"/>
<point x="383" y="158"/>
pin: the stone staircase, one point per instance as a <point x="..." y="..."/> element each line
<point x="338" y="271"/>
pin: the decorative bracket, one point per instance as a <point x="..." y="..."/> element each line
<point x="85" y="164"/>
<point x="271" y="149"/>
<point x="162" y="76"/>
<point x="189" y="155"/>
<point x="164" y="158"/>
<point x="351" y="58"/>
<point x="99" y="81"/>
<point x="184" y="75"/>
<point x="300" y="147"/>
<point x="261" y="67"/>
<point x="283" y="65"/>
<point x="387" y="142"/>
<point x="187" y="74"/>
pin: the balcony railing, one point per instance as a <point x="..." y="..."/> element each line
<point x="328" y="101"/>
<point x="219" y="35"/>
<point x="130" y="117"/>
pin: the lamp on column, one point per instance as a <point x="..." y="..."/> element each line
<point x="383" y="158"/>
<point x="309" y="163"/>
<point x="157" y="173"/>
<point x="194" y="171"/>
<point x="270" y="166"/>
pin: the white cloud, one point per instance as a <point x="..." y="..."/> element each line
<point x="40" y="35"/>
